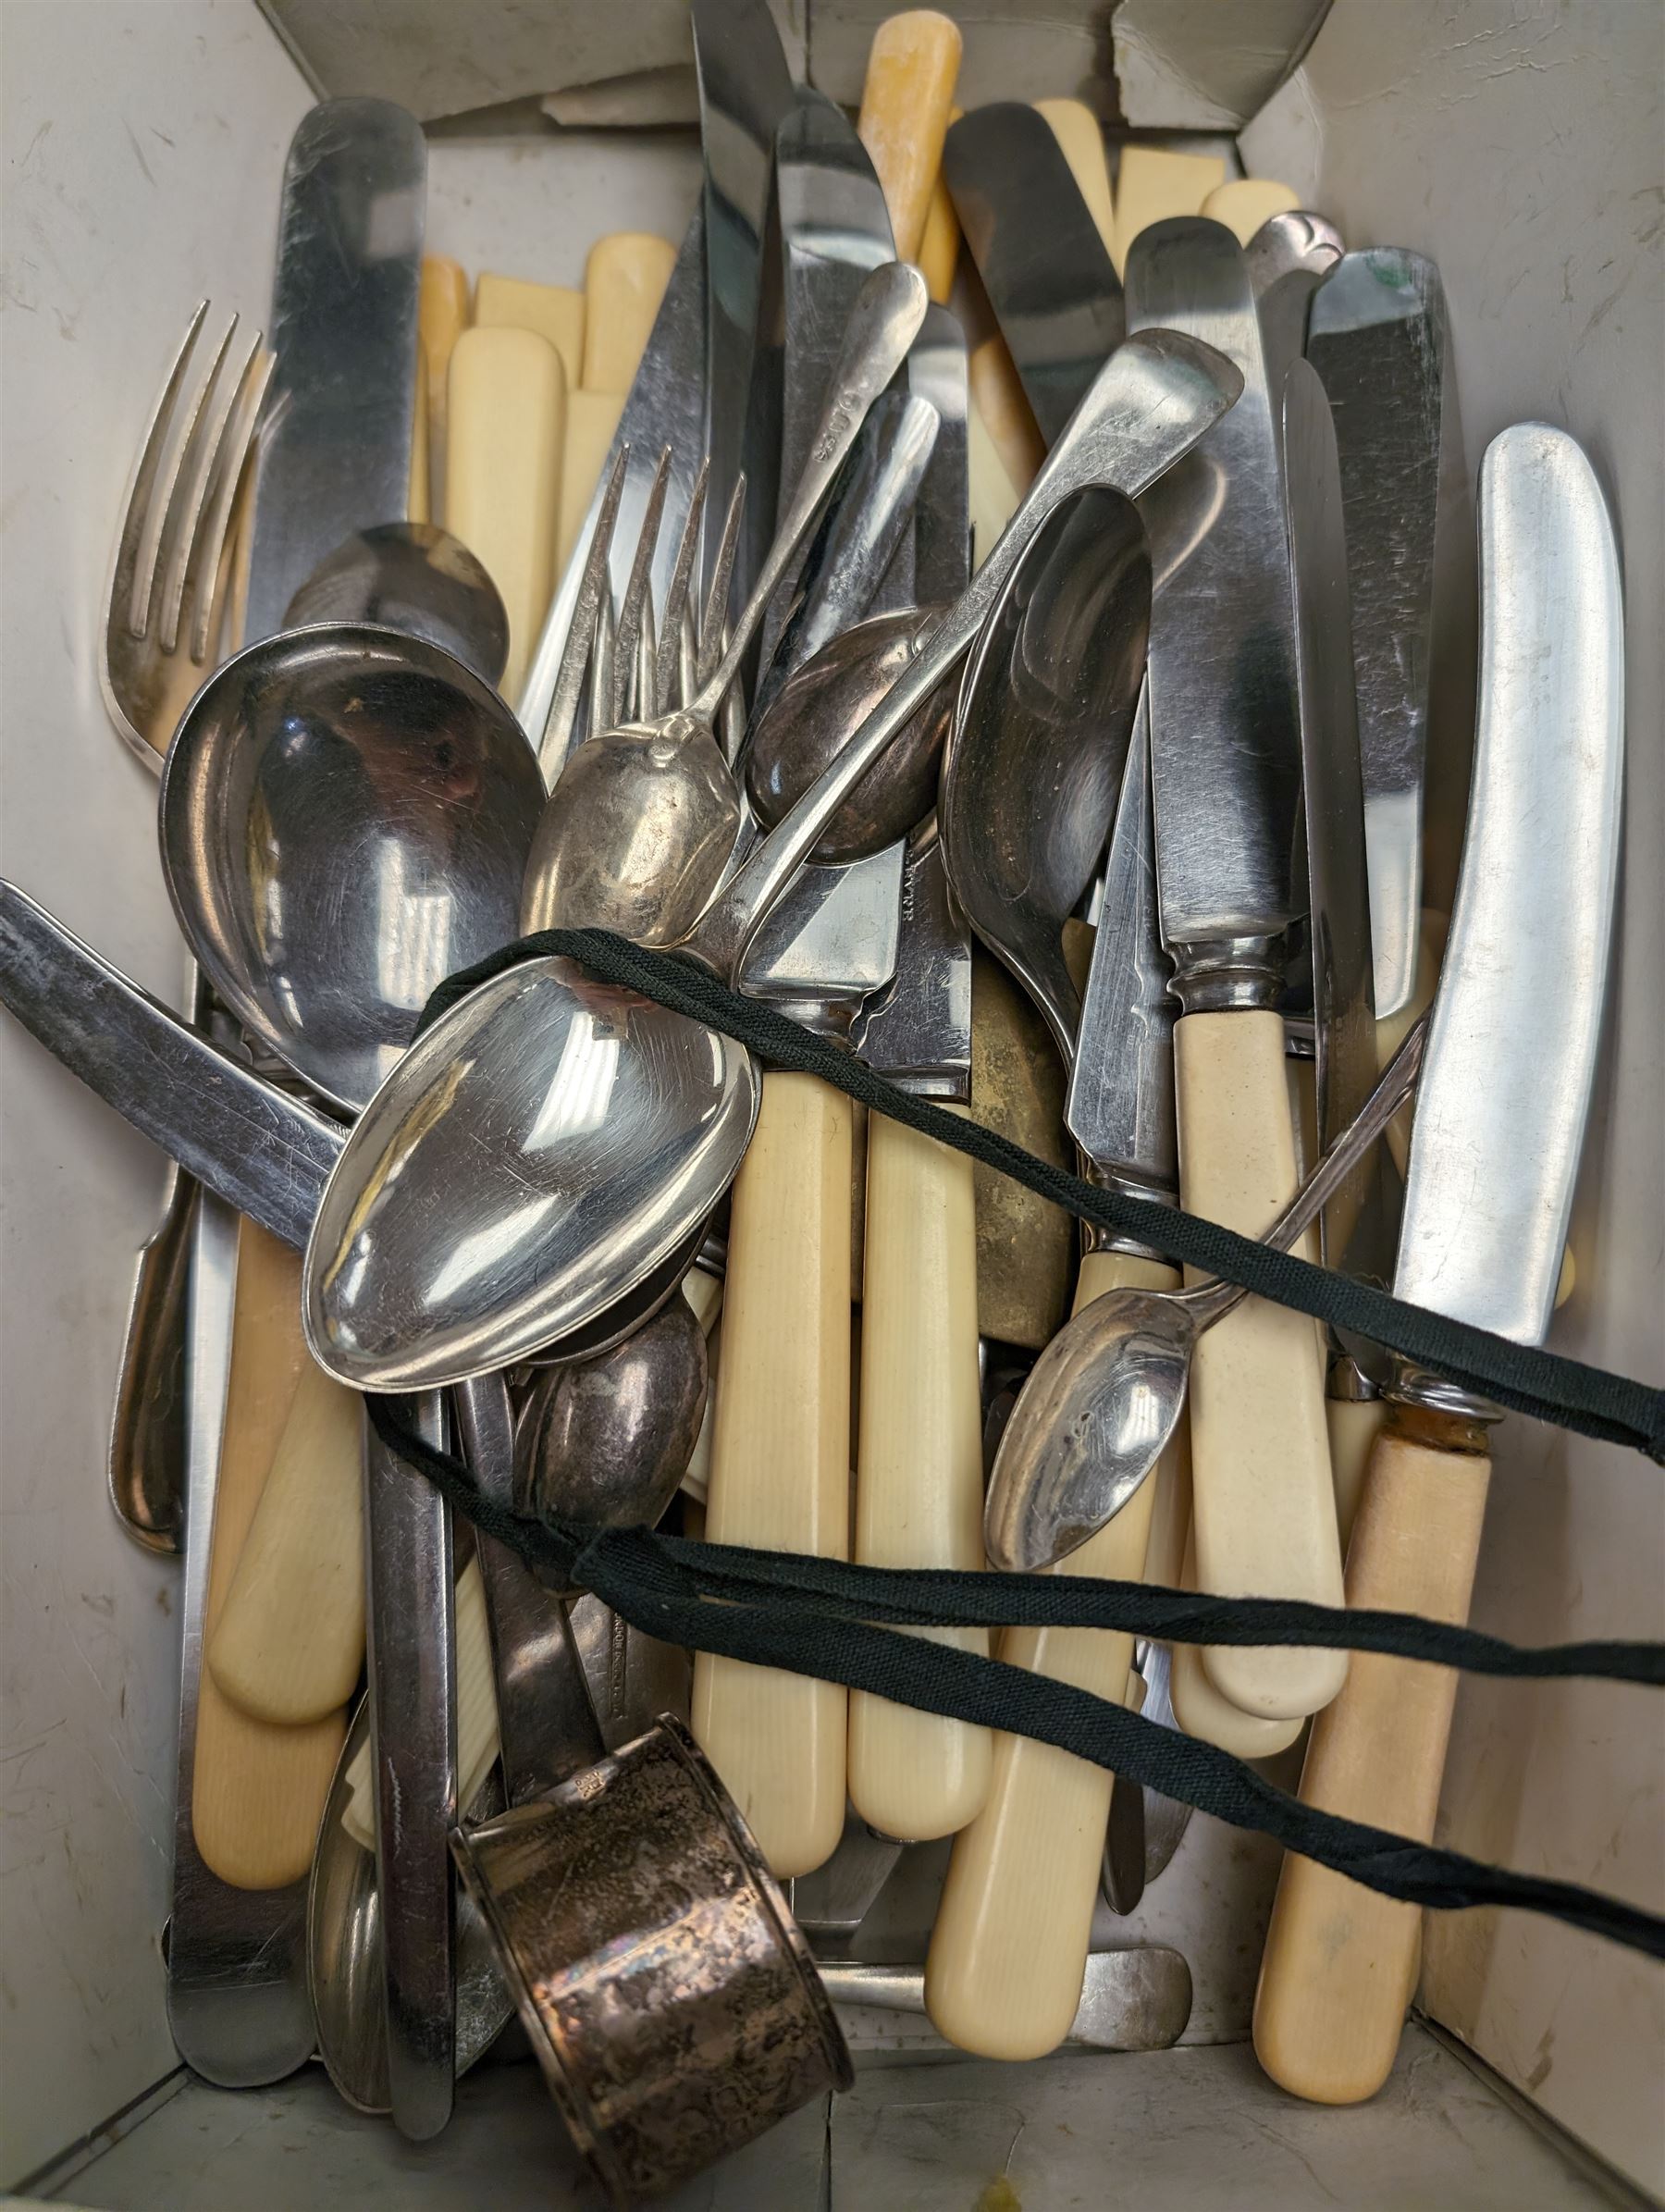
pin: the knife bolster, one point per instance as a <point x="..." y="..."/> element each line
<point x="1096" y="1237"/>
<point x="1459" y="1418"/>
<point x="1226" y="974"/>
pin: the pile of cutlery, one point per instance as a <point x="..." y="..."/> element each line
<point x="763" y="601"/>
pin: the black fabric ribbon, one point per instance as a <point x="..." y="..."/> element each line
<point x="827" y="1618"/>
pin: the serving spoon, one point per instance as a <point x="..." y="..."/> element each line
<point x="552" y="1137"/>
<point x="1103" y="1400"/>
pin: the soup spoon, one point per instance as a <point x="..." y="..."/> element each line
<point x="553" y="1137"/>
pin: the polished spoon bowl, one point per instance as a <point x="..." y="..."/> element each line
<point x="417" y="579"/>
<point x="345" y="818"/>
<point x="1103" y="1400"/>
<point x="644" y="818"/>
<point x="553" y="1138"/>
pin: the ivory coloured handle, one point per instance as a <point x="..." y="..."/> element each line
<point x="1354" y="1425"/>
<point x="1262" y="1505"/>
<point x="624" y="280"/>
<point x="556" y="312"/>
<point x="289" y="1641"/>
<point x="1081" y="141"/>
<point x="257" y="1791"/>
<point x="940" y="241"/>
<point x="442" y="317"/>
<point x="920" y="1471"/>
<point x="1009" y="1949"/>
<point x="506" y="422"/>
<point x="1154" y="182"/>
<point x="998" y="398"/>
<point x="1212" y="1719"/>
<point x="1341" y="1960"/>
<point x="912" y="66"/>
<point x="780" y="1475"/>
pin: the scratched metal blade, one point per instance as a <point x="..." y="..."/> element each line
<point x="1376" y="336"/>
<point x="665" y="406"/>
<point x="745" y="94"/>
<point x="1039" y="252"/>
<point x="336" y="456"/>
<point x="918" y="1030"/>
<point x="831" y="941"/>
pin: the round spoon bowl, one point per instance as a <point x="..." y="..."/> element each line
<point x="534" y="1157"/>
<point x="1040" y="739"/>
<point x="806" y="722"/>
<point x="606" y="1442"/>
<point x="345" y="819"/>
<point x="417" y="579"/>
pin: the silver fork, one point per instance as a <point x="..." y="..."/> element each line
<point x="168" y="578"/>
<point x="165" y="601"/>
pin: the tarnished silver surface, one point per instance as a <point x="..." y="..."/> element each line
<point x="1225" y="741"/>
<point x="632" y="1678"/>
<point x="345" y="819"/>
<point x="336" y="455"/>
<point x="417" y="579"/>
<point x="546" y="1727"/>
<point x="665" y="407"/>
<point x="811" y="715"/>
<point x="606" y="1442"/>
<point x="411" y="1660"/>
<point x="1040" y="738"/>
<point x="1377" y="339"/>
<point x="643" y="819"/>
<point x="346" y="1958"/>
<point x="1100" y="1402"/>
<point x="1119" y="1106"/>
<point x="1038" y="250"/>
<point x="1511" y="1047"/>
<point x="832" y="1900"/>
<point x="1134" y="2000"/>
<point x="236" y="2001"/>
<point x="531" y="1159"/>
<point x="745" y="93"/>
<point x="1343" y="991"/>
<point x="673" y="2006"/>
<point x="146" y="1458"/>
<point x="262" y="1151"/>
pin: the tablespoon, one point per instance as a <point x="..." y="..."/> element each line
<point x="417" y="579"/>
<point x="644" y="817"/>
<point x="1102" y="1400"/>
<point x="552" y="1138"/>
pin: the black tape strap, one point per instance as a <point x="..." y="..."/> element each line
<point x="1522" y="1377"/>
<point x="815" y="1616"/>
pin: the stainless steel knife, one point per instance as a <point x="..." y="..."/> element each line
<point x="1226" y="776"/>
<point x="1039" y="252"/>
<point x="1500" y="1115"/>
<point x="1376" y="336"/>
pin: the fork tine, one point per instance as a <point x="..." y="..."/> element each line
<point x="636" y="592"/>
<point x="162" y="506"/>
<point x="208" y="457"/>
<point x="556" y="736"/>
<point x="601" y="669"/>
<point x="668" y="659"/>
<point x="713" y="621"/>
<point x="208" y="584"/>
<point x="647" y="662"/>
<point x="136" y="507"/>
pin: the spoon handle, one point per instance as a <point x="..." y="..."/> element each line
<point x="1146" y="408"/>
<point x="883" y="323"/>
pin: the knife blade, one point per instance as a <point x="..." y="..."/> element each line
<point x="1227" y="778"/>
<point x="1039" y="252"/>
<point x="665" y="407"/>
<point x="1505" y="1093"/>
<point x="745" y="93"/>
<point x="1376" y="336"/>
<point x="336" y="455"/>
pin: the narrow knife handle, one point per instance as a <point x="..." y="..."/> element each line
<point x="913" y="65"/>
<point x="257" y="1791"/>
<point x="289" y="1645"/>
<point x="1212" y="1719"/>
<point x="1341" y="1960"/>
<point x="781" y="1457"/>
<point x="919" y="1470"/>
<point x="1009" y="1949"/>
<point x="1354" y="1425"/>
<point x="1262" y="1504"/>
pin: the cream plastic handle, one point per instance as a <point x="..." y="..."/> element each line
<point x="624" y="280"/>
<point x="257" y="1791"/>
<point x="1008" y="1951"/>
<point x="920" y="1471"/>
<point x="1341" y="1960"/>
<point x="1262" y="1505"/>
<point x="505" y="427"/>
<point x="1354" y="1425"/>
<point x="906" y="101"/>
<point x="780" y="1473"/>
<point x="1080" y="138"/>
<point x="1212" y="1719"/>
<point x="290" y="1641"/>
